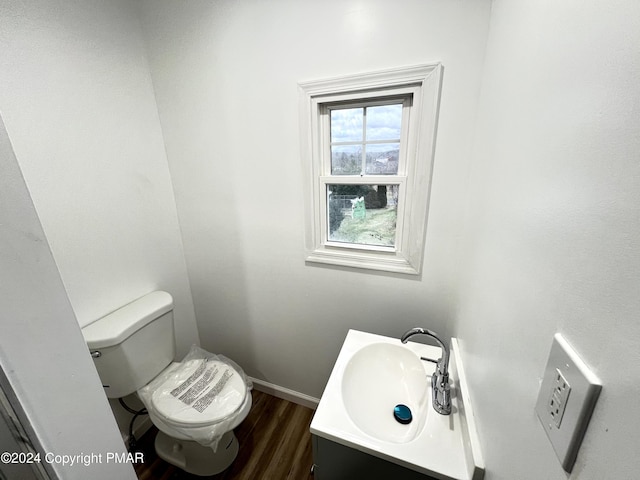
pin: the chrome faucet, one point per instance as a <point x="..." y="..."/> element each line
<point x="440" y="389"/>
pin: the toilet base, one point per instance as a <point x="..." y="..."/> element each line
<point x="194" y="458"/>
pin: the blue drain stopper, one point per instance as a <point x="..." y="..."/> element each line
<point x="402" y="414"/>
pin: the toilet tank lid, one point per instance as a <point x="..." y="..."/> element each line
<point x="114" y="328"/>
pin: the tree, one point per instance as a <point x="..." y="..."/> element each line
<point x="335" y="215"/>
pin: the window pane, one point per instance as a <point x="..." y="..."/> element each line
<point x="346" y="160"/>
<point x="383" y="122"/>
<point x="347" y="125"/>
<point x="362" y="214"/>
<point x="382" y="159"/>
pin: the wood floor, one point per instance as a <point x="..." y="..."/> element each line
<point x="275" y="444"/>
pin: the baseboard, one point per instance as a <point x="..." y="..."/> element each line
<point x="285" y="393"/>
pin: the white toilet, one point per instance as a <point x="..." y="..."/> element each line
<point x="133" y="350"/>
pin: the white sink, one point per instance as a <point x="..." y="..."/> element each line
<point x="376" y="379"/>
<point x="372" y="374"/>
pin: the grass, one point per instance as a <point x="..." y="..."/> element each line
<point x="377" y="228"/>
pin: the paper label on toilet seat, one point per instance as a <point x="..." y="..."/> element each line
<point x="192" y="394"/>
<point x="200" y="395"/>
<point x="204" y="401"/>
<point x="196" y="391"/>
<point x="187" y="383"/>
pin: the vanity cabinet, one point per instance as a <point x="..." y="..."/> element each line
<point x="333" y="461"/>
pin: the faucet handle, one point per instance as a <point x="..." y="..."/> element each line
<point x="430" y="360"/>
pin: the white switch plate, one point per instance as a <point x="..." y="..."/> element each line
<point x="566" y="400"/>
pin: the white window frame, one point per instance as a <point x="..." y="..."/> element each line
<point x="422" y="84"/>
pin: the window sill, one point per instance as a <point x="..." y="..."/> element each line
<point x="386" y="262"/>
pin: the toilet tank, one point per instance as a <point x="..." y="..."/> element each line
<point x="134" y="344"/>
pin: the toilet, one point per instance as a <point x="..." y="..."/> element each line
<point x="195" y="403"/>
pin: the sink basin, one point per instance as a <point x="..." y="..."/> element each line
<point x="355" y="415"/>
<point x="378" y="377"/>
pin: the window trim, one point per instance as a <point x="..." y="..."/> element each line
<point x="423" y="82"/>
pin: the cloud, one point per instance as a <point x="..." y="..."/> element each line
<point x="383" y="123"/>
<point x="346" y="125"/>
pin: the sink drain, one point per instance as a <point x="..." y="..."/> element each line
<point x="402" y="414"/>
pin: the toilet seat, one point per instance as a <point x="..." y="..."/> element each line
<point x="198" y="393"/>
<point x="199" y="399"/>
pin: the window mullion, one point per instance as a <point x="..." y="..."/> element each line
<point x="364" y="179"/>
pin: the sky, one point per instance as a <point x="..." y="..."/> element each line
<point x="383" y="123"/>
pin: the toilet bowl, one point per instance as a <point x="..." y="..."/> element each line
<point x="193" y="422"/>
<point x="175" y="441"/>
<point x="195" y="403"/>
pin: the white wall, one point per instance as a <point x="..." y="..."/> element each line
<point x="42" y="352"/>
<point x="225" y="75"/>
<point x="553" y="228"/>
<point x="79" y="105"/>
<point x="531" y="228"/>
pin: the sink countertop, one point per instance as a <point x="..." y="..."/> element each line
<point x="446" y="448"/>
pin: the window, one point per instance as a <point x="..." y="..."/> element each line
<point x="367" y="148"/>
